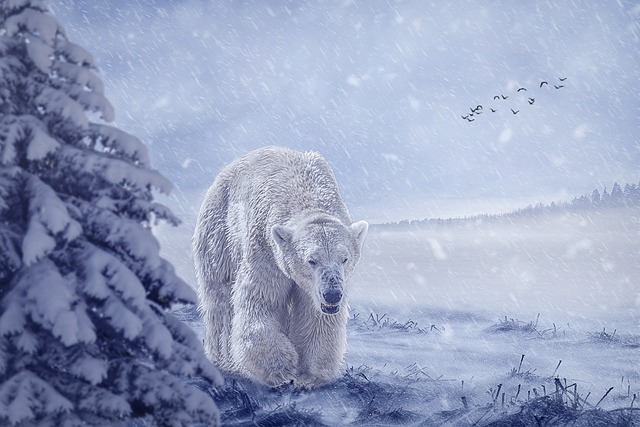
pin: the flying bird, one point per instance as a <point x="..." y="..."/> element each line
<point x="471" y="120"/>
<point x="562" y="79"/>
<point x="496" y="97"/>
<point x="465" y="117"/>
<point x="542" y="83"/>
<point x="515" y="112"/>
<point x="531" y="101"/>
<point x="504" y="97"/>
<point x="521" y="89"/>
<point x="558" y="86"/>
<point x="492" y="110"/>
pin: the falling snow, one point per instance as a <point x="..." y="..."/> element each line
<point x="378" y="88"/>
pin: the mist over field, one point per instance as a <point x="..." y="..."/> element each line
<point x="564" y="264"/>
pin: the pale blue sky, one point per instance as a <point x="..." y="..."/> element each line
<point x="379" y="88"/>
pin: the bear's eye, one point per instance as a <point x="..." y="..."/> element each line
<point x="312" y="263"/>
<point x="344" y="261"/>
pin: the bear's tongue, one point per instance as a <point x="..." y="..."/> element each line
<point x="330" y="309"/>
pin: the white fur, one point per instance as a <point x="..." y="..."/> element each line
<point x="273" y="247"/>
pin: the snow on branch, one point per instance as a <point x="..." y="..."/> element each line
<point x="175" y="402"/>
<point x="43" y="296"/>
<point x="10" y="257"/>
<point x="81" y="76"/>
<point x="15" y="5"/>
<point x="71" y="52"/>
<point x="185" y="345"/>
<point x="9" y="66"/>
<point x="24" y="130"/>
<point x="103" y="401"/>
<point x="123" y="236"/>
<point x="93" y="102"/>
<point x="120" y="142"/>
<point x="40" y="53"/>
<point x="122" y="318"/>
<point x="114" y="170"/>
<point x="10" y="235"/>
<point x="4" y="356"/>
<point x="102" y="272"/>
<point x="65" y="108"/>
<point x="173" y="288"/>
<point x="48" y="219"/>
<point x="35" y="22"/>
<point x="25" y="397"/>
<point x="11" y="133"/>
<point x="36" y="243"/>
<point x="157" y="337"/>
<point x="41" y="144"/>
<point x="48" y="300"/>
<point x="12" y="320"/>
<point x="89" y="368"/>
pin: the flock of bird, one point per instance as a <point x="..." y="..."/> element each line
<point x="479" y="109"/>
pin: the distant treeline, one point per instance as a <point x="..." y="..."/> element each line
<point x="618" y="197"/>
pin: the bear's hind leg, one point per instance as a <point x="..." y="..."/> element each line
<point x="214" y="273"/>
<point x="215" y="309"/>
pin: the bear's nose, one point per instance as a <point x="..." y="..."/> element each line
<point x="332" y="296"/>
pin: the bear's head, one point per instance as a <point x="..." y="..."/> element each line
<point x="319" y="255"/>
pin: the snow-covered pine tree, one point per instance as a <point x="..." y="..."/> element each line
<point x="631" y="195"/>
<point x="617" y="198"/>
<point x="86" y="337"/>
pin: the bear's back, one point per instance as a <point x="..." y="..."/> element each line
<point x="284" y="183"/>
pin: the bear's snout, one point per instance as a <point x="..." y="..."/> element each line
<point x="332" y="296"/>
<point x="331" y="286"/>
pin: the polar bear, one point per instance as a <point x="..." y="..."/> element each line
<point x="273" y="247"/>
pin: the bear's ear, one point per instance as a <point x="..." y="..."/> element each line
<point x="359" y="231"/>
<point x="282" y="235"/>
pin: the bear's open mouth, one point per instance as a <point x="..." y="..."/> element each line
<point x="329" y="309"/>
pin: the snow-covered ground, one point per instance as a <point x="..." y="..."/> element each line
<point x="448" y="322"/>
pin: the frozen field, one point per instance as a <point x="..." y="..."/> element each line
<point x="465" y="324"/>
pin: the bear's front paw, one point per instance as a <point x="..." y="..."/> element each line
<point x="281" y="378"/>
<point x="308" y="381"/>
<point x="277" y="366"/>
<point x="305" y="382"/>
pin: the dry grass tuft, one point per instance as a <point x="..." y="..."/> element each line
<point x="381" y="322"/>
